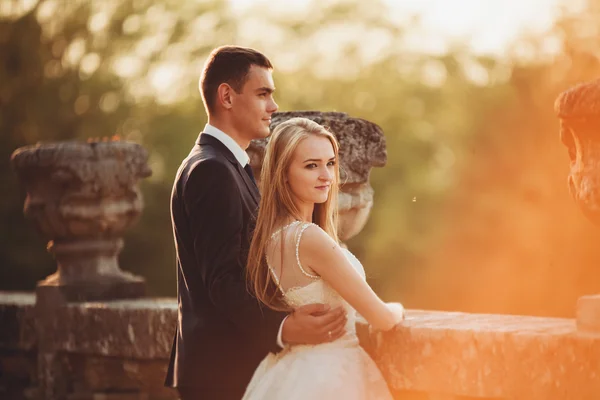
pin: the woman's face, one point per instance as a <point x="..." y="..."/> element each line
<point x="312" y="170"/>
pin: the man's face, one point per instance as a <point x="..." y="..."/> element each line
<point x="252" y="108"/>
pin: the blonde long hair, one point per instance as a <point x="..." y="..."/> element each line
<point x="276" y="203"/>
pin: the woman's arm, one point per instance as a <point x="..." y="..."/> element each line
<point x="319" y="252"/>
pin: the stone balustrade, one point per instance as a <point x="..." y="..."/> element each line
<point x="119" y="350"/>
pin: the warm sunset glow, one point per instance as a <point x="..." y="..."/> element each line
<point x="471" y="212"/>
<point x="487" y="27"/>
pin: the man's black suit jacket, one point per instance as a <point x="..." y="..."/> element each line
<point x="222" y="331"/>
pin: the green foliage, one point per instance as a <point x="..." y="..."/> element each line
<point x="464" y="214"/>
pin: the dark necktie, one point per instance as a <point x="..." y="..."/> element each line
<point x="248" y="170"/>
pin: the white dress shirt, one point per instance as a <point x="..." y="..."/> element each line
<point x="242" y="157"/>
<point x="239" y="153"/>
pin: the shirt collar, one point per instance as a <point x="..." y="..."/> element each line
<point x="239" y="153"/>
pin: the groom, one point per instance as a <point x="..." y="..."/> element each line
<point x="222" y="331"/>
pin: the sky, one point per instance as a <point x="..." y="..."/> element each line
<point x="486" y="26"/>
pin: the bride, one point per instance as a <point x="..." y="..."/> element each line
<point x="295" y="259"/>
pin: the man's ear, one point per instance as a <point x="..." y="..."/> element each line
<point x="225" y="96"/>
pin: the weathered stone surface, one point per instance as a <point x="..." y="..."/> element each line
<point x="124" y="396"/>
<point x="579" y="111"/>
<point x="141" y="329"/>
<point x="17" y="321"/>
<point x="135" y="329"/>
<point x="54" y="374"/>
<point x="51" y="293"/>
<point x="116" y="374"/>
<point x="107" y="396"/>
<point x="120" y="348"/>
<point x="92" y="377"/>
<point x="83" y="196"/>
<point x="362" y="146"/>
<point x="78" y="189"/>
<point x="588" y="314"/>
<point x="120" y="396"/>
<point x="498" y="356"/>
<point x="19" y="365"/>
<point x="354" y="206"/>
<point x="581" y="101"/>
<point x="18" y="371"/>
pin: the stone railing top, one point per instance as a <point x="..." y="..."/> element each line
<point x="581" y="101"/>
<point x="491" y="356"/>
<point x="17" y="298"/>
<point x="141" y="328"/>
<point x="362" y="144"/>
<point x="451" y="353"/>
<point x="145" y="304"/>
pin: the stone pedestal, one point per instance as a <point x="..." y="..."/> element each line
<point x="123" y="287"/>
<point x="83" y="197"/>
<point x="588" y="314"/>
<point x="88" y="270"/>
<point x="579" y="111"/>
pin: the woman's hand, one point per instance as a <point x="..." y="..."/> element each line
<point x="397" y="310"/>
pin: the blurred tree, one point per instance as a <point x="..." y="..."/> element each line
<point x="473" y="200"/>
<point x="22" y="74"/>
<point x="510" y="239"/>
<point x="67" y="73"/>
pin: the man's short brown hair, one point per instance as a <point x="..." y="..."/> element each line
<point x="228" y="64"/>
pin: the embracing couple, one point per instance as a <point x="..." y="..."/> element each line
<point x="267" y="298"/>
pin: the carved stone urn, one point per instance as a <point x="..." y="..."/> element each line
<point x="83" y="197"/>
<point x="362" y="146"/>
<point x="579" y="111"/>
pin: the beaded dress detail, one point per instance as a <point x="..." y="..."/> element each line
<point x="336" y="370"/>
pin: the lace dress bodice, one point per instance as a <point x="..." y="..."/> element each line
<point x="318" y="291"/>
<point x="340" y="369"/>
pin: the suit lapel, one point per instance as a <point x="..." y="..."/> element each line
<point x="249" y="184"/>
<point x="217" y="144"/>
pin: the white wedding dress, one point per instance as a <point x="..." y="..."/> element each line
<point x="336" y="370"/>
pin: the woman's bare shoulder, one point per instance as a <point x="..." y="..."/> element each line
<point x="315" y="240"/>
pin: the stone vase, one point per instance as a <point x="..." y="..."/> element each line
<point x="83" y="197"/>
<point x="362" y="147"/>
<point x="578" y="109"/>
